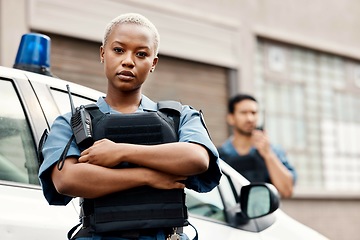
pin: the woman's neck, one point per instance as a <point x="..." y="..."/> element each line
<point x="124" y="102"/>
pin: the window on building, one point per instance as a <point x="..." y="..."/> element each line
<point x="311" y="103"/>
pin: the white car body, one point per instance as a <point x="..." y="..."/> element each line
<point x="25" y="214"/>
<point x="283" y="228"/>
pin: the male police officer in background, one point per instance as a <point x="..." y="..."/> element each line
<point x="130" y="191"/>
<point x="249" y="150"/>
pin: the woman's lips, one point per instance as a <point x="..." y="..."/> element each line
<point x="126" y="75"/>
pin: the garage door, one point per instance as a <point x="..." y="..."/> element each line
<point x="200" y="85"/>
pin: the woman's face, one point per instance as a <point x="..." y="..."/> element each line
<point x="128" y="57"/>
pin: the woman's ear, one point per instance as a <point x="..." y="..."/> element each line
<point x="101" y="54"/>
<point x="154" y="63"/>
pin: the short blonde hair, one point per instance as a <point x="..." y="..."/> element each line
<point x="134" y="18"/>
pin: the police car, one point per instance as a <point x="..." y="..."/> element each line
<point x="29" y="103"/>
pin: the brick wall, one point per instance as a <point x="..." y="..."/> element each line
<point x="337" y="219"/>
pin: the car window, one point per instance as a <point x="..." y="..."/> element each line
<point x="206" y="204"/>
<point x="62" y="100"/>
<point x="214" y="203"/>
<point x="18" y="159"/>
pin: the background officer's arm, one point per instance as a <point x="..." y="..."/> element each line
<point x="280" y="176"/>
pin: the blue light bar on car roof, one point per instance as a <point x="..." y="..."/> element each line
<point x="34" y="53"/>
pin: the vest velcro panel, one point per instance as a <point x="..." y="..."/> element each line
<point x="147" y="128"/>
<point x="142" y="207"/>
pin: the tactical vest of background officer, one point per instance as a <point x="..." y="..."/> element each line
<point x="250" y="165"/>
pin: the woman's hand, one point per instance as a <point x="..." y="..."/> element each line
<point x="102" y="153"/>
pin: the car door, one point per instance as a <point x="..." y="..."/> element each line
<point x="209" y="212"/>
<point x="25" y="214"/>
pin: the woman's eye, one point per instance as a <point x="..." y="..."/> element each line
<point x="118" y="50"/>
<point x="142" y="54"/>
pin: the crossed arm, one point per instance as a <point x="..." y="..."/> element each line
<point x="160" y="166"/>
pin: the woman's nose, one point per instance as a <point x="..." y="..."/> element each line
<point x="128" y="60"/>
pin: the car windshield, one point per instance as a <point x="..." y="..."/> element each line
<point x="62" y="100"/>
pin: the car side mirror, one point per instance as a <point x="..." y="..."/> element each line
<point x="258" y="199"/>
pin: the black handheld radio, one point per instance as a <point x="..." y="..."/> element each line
<point x="81" y="124"/>
<point x="262" y="126"/>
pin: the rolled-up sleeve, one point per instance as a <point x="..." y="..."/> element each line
<point x="193" y="129"/>
<point x="59" y="136"/>
<point x="280" y="153"/>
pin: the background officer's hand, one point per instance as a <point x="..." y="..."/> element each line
<point x="261" y="142"/>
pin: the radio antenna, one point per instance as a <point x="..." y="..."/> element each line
<point x="71" y="100"/>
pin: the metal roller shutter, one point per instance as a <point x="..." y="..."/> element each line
<point x="200" y="85"/>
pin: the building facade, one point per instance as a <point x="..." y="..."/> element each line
<point x="301" y="59"/>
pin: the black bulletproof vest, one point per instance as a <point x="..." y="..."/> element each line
<point x="142" y="207"/>
<point x="251" y="166"/>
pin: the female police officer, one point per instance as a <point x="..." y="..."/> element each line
<point x="128" y="53"/>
